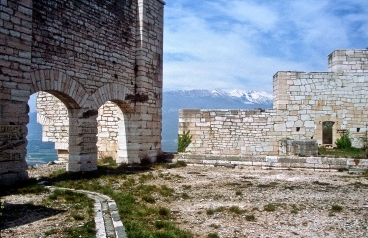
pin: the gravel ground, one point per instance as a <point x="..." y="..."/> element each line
<point x="233" y="203"/>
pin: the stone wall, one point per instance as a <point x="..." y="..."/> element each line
<point x="15" y="66"/>
<point x="85" y="53"/>
<point x="302" y="102"/>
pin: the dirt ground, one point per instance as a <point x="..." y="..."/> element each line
<point x="249" y="202"/>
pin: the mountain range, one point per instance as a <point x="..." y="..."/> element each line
<point x="190" y="99"/>
<point x="206" y="99"/>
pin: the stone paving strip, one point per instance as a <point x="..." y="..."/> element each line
<point x="107" y="219"/>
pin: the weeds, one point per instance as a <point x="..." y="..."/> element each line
<point x="187" y="187"/>
<point x="342" y="153"/>
<point x="165" y="191"/>
<point x="269" y="207"/>
<point x="213" y="235"/>
<point x="336" y="208"/>
<point x="250" y="217"/>
<point x="148" y="199"/>
<point x="235" y="209"/>
<point x="106" y="161"/>
<point x="215" y="226"/>
<point x="185" y="196"/>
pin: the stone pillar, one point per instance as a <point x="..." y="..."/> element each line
<point x="15" y="61"/>
<point x="148" y="83"/>
<point x="82" y="140"/>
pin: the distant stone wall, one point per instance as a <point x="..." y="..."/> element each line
<point x="55" y="127"/>
<point x="302" y="103"/>
<point x="348" y="61"/>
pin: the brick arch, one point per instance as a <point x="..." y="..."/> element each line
<point x="61" y="85"/>
<point x="115" y="93"/>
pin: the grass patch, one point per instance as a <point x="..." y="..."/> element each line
<point x="184" y="196"/>
<point x="186" y="187"/>
<point x="336" y="208"/>
<point x="109" y="161"/>
<point x="269" y="207"/>
<point x="87" y="230"/>
<point x="166" y="191"/>
<point x="250" y="217"/>
<point x="342" y="153"/>
<point x="235" y="209"/>
<point x="50" y="232"/>
<point x="148" y="198"/>
<point x="213" y="235"/>
<point x="215" y="226"/>
<point x="128" y="186"/>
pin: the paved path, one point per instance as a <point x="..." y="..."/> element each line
<point x="107" y="219"/>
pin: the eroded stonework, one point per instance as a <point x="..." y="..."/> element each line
<point x="303" y="103"/>
<point x="81" y="56"/>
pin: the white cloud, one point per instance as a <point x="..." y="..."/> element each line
<point x="261" y="16"/>
<point x="242" y="44"/>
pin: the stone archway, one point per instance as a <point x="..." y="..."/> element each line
<point x="106" y="54"/>
<point x="80" y="118"/>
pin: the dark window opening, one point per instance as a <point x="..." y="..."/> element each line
<point x="298" y="129"/>
<point x="327" y="132"/>
<point x="358" y="129"/>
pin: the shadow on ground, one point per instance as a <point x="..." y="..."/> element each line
<point x="20" y="214"/>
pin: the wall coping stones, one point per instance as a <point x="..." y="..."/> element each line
<point x="107" y="219"/>
<point x="273" y="161"/>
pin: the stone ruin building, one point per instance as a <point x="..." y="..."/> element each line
<point x="89" y="61"/>
<point x="304" y="104"/>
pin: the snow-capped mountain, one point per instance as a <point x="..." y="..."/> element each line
<point x="207" y="99"/>
<point x="252" y="96"/>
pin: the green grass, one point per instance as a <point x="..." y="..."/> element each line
<point x="269" y="207"/>
<point x="250" y="217"/>
<point x="213" y="235"/>
<point x="342" y="153"/>
<point x="135" y="199"/>
<point x="336" y="208"/>
<point x="235" y="209"/>
<point x="81" y="209"/>
<point x="107" y="161"/>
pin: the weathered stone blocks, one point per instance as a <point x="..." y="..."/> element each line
<point x="302" y="102"/>
<point x="85" y="54"/>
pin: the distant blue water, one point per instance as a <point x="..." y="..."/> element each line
<point x="39" y="152"/>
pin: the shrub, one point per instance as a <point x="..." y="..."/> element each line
<point x="235" y="209"/>
<point x="336" y="208"/>
<point x="184" y="141"/>
<point x="164" y="211"/>
<point x="344" y="141"/>
<point x="250" y="217"/>
<point x="213" y="235"/>
<point x="269" y="207"/>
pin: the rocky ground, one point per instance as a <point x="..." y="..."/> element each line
<point x="242" y="202"/>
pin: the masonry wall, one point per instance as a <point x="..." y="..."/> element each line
<point x="15" y="63"/>
<point x="302" y="102"/>
<point x="141" y="108"/>
<point x="84" y="53"/>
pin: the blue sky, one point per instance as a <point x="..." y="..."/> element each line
<point x="241" y="44"/>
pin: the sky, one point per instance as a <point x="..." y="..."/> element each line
<point x="241" y="44"/>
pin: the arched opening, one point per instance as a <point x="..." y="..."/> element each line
<point x="53" y="121"/>
<point x="327" y="132"/>
<point x="112" y="131"/>
<point x="38" y="151"/>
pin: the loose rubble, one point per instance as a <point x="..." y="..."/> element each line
<point x="233" y="202"/>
